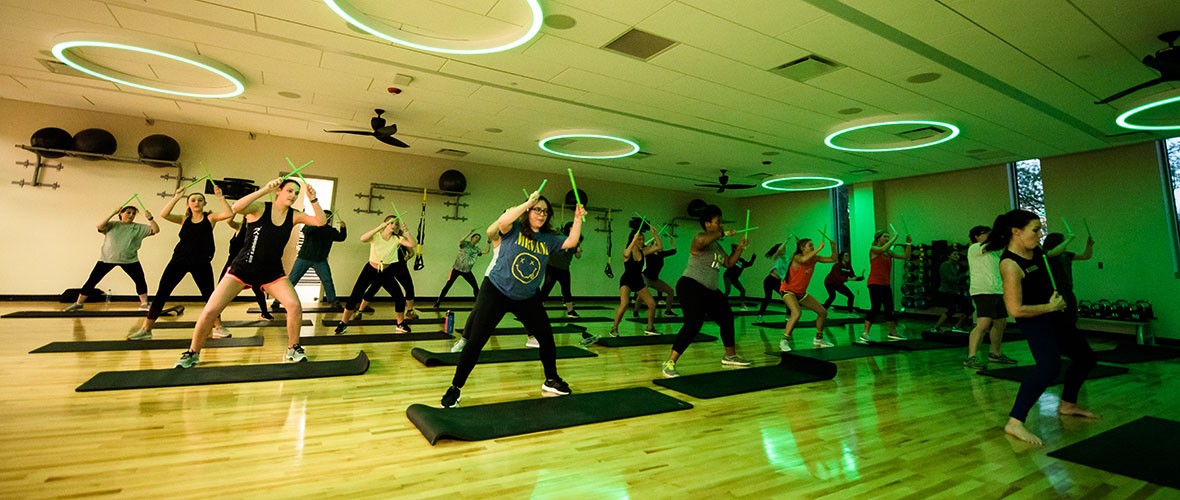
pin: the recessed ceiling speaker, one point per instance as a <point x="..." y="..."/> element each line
<point x="52" y="138"/>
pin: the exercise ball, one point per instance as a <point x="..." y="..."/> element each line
<point x="52" y="138"/>
<point x="573" y="201"/>
<point x="159" y="147"/>
<point x="453" y="181"/>
<point x="696" y="207"/>
<point x="95" y="140"/>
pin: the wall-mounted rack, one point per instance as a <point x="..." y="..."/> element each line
<point x="373" y="187"/>
<point x="40" y="164"/>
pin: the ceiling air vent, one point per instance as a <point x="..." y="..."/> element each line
<point x="639" y="44"/>
<point x="60" y="68"/>
<point x="451" y="152"/>
<point x="921" y="133"/>
<point x="806" y="68"/>
<point x="863" y="171"/>
<point x="990" y="155"/>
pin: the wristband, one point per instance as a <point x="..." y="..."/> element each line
<point x="151" y="218"/>
<point x="315" y="200"/>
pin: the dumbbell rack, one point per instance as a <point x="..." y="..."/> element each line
<point x="919" y="279"/>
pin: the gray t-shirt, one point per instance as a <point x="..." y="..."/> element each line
<point x="466" y="258"/>
<point x="121" y="245"/>
<point x="704" y="267"/>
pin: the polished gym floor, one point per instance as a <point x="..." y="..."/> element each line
<point x="910" y="425"/>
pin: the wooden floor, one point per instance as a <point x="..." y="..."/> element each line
<point x="911" y="425"/>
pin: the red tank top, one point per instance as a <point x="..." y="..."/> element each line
<point x="799" y="280"/>
<point x="880" y="268"/>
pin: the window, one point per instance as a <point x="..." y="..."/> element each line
<point x="308" y="288"/>
<point x="1028" y="193"/>
<point x="1170" y="174"/>
<point x="840" y="215"/>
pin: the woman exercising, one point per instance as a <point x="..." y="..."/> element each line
<point x="260" y="263"/>
<point x="192" y="255"/>
<point x="120" y="247"/>
<point x="235" y="246"/>
<point x="468" y="252"/>
<point x="651" y="276"/>
<point x="880" y="290"/>
<point x="526" y="242"/>
<point x="795" y="294"/>
<point x="632" y="278"/>
<point x="840" y="274"/>
<point x="987" y="294"/>
<point x="699" y="297"/>
<point x="385" y="244"/>
<point x="952" y="291"/>
<point x="774" y="280"/>
<point x="1061" y="261"/>
<point x="733" y="277"/>
<point x="1039" y="310"/>
<point x="400" y="270"/>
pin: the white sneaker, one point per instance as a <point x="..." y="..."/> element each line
<point x="744" y="308"/>
<point x="784" y="344"/>
<point x="821" y="343"/>
<point x="895" y="337"/>
<point x="458" y="347"/>
<point x="144" y="307"/>
<point x="864" y="338"/>
<point x="221" y="333"/>
<point x="532" y="342"/>
<point x="296" y="354"/>
<point x="651" y="332"/>
<point x="140" y="335"/>
<point x="614" y="333"/>
<point x="73" y="307"/>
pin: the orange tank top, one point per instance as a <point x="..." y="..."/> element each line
<point x="880" y="268"/>
<point x="799" y="280"/>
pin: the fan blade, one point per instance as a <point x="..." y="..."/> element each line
<point x="739" y="186"/>
<point x="377" y="122"/>
<point x="720" y="189"/>
<point x="1141" y="86"/>
<point x="708" y="185"/>
<point x="387" y="131"/>
<point x="392" y="141"/>
<point x="356" y="132"/>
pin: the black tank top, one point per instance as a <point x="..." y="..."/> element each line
<point x="196" y="240"/>
<point x="633" y="266"/>
<point x="1036" y="288"/>
<point x="264" y="243"/>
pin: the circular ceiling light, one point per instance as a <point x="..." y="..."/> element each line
<point x="63" y="53"/>
<point x="628" y="147"/>
<point x="801" y="183"/>
<point x="379" y="29"/>
<point x="954" y="132"/>
<point x="1122" y="119"/>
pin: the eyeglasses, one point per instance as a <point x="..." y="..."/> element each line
<point x="539" y="210"/>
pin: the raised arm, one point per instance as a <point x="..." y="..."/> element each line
<point x="1089" y="251"/>
<point x="830" y="259"/>
<point x="227" y="212"/>
<point x="807" y="256"/>
<point x="407" y="239"/>
<point x="166" y="212"/>
<point x="246" y="205"/>
<point x="368" y="236"/>
<point x="232" y="222"/>
<point x="318" y="218"/>
<point x="504" y="223"/>
<point x="575" y="236"/>
<point x="1060" y="248"/>
<point x="737" y="253"/>
<point x="342" y="233"/>
<point x="151" y="222"/>
<point x="1011" y="273"/>
<point x="102" y="226"/>
<point x="875" y="251"/>
<point x="658" y="244"/>
<point x="909" y="250"/>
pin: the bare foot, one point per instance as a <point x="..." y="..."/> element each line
<point x="1015" y="428"/>
<point x="1066" y="408"/>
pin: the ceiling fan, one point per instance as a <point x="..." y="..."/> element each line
<point x="1166" y="61"/>
<point x="381" y="131"/>
<point x="723" y="184"/>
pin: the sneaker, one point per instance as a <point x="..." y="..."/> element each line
<point x="340" y="328"/>
<point x="635" y="313"/>
<point x="458" y="347"/>
<point x="614" y="332"/>
<point x="265" y="315"/>
<point x="784" y="344"/>
<point x="651" y="331"/>
<point x="669" y="370"/>
<point x="532" y="342"/>
<point x="894" y="336"/>
<point x="1001" y="359"/>
<point x="556" y="386"/>
<point x="744" y="308"/>
<point x="451" y="398"/>
<point x="144" y="307"/>
<point x="140" y="335"/>
<point x="670" y="313"/>
<point x="934" y="330"/>
<point x="411" y="314"/>
<point x="973" y="364"/>
<point x="821" y="343"/>
<point x="276" y="306"/>
<point x="734" y="360"/>
<point x="188" y="359"/>
<point x="73" y="307"/>
<point x="402" y="328"/>
<point x="588" y="340"/>
<point x="572" y="314"/>
<point x="864" y="338"/>
<point x="357" y="316"/>
<point x="335" y="304"/>
<point x="218" y="333"/>
<point x="296" y="354"/>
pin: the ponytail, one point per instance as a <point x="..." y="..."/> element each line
<point x="1001" y="233"/>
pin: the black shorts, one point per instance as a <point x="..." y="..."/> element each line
<point x="954" y="303"/>
<point x="257" y="280"/>
<point x="633" y="281"/>
<point x="990" y="305"/>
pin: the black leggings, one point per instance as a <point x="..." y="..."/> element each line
<point x="1050" y="336"/>
<point x="770" y="286"/>
<point x="553" y="276"/>
<point x="698" y="304"/>
<point x="490" y="307"/>
<point x="174" y="272"/>
<point x="133" y="269"/>
<point x="455" y="274"/>
<point x="840" y="288"/>
<point x="401" y="273"/>
<point x="259" y="295"/>
<point x="881" y="296"/>
<point x="373" y="280"/>
<point x="736" y="283"/>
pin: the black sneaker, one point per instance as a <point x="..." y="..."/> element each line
<point x="340" y="328"/>
<point x="402" y="328"/>
<point x="670" y="313"/>
<point x="276" y="306"/>
<point x="556" y="386"/>
<point x="451" y="398"/>
<point x="572" y="314"/>
<point x="266" y="316"/>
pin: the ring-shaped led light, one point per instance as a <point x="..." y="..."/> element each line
<point x="769" y="183"/>
<point x="364" y="22"/>
<point x="1122" y="119"/>
<point x="829" y="140"/>
<point x="631" y="144"/>
<point x="59" y="51"/>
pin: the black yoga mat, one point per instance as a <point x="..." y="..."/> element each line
<point x="1144" y="449"/>
<point x="520" y="330"/>
<point x="791" y="370"/>
<point x="143" y="345"/>
<point x="476" y="423"/>
<point x="429" y="358"/>
<point x="666" y="319"/>
<point x="376" y="337"/>
<point x="547" y="308"/>
<point x="911" y="345"/>
<point x="634" y="340"/>
<point x="563" y="319"/>
<point x="809" y="323"/>
<point x="1126" y="353"/>
<point x="385" y="322"/>
<point x="839" y="353"/>
<point x="1018" y="373"/>
<point x="318" y="309"/>
<point x="231" y="324"/>
<point x="135" y="313"/>
<point x="176" y="377"/>
<point x="961" y="339"/>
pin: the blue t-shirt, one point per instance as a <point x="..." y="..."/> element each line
<point x="519" y="268"/>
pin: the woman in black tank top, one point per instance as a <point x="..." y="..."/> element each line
<point x="260" y="262"/>
<point x="632" y="278"/>
<point x="1030" y="297"/>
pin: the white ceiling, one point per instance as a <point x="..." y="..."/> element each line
<point x="1019" y="78"/>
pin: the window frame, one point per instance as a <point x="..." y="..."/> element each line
<point x="1168" y="184"/>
